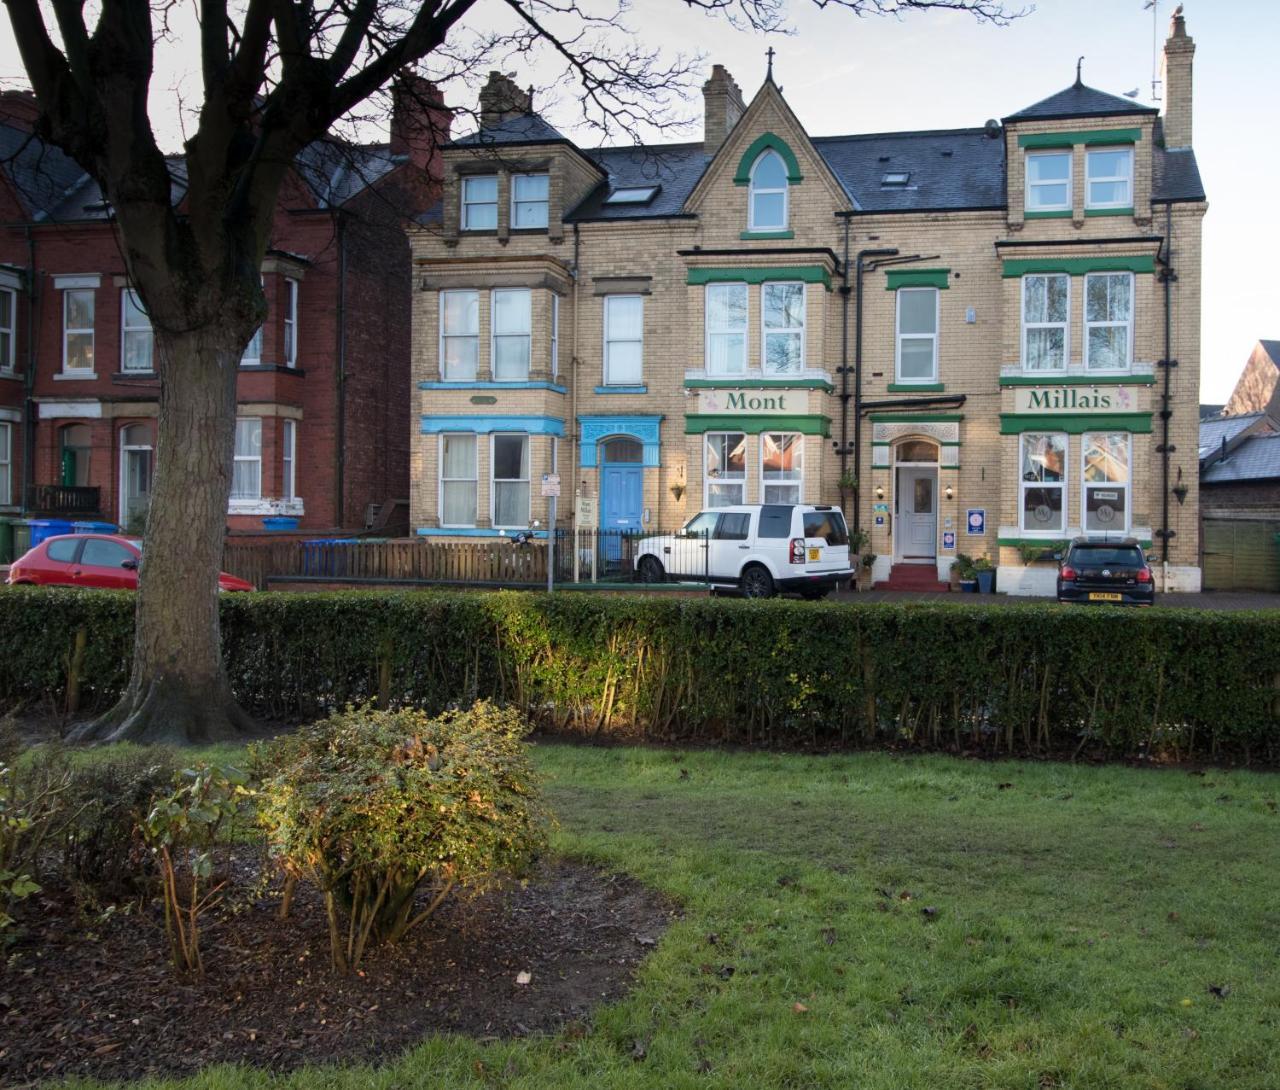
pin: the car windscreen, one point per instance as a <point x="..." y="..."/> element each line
<point x="828" y="525"/>
<point x="1104" y="556"/>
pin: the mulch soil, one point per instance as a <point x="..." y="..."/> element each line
<point x="97" y="997"/>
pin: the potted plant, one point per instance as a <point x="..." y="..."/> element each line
<point x="847" y="484"/>
<point x="966" y="573"/>
<point x="985" y="574"/>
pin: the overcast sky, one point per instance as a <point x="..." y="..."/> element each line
<point x="945" y="70"/>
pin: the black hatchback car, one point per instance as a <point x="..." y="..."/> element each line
<point x="1099" y="571"/>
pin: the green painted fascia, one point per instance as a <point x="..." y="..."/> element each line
<point x="730" y="383"/>
<point x="1095" y="137"/>
<point x="1075" y="423"/>
<point x="1048" y="543"/>
<point x="917" y="278"/>
<point x="1108" y="211"/>
<point x="1077" y="266"/>
<point x="1057" y="214"/>
<point x="916" y="387"/>
<point x="812" y="424"/>
<point x="747" y="236"/>
<point x="809" y="274"/>
<point x="1077" y="380"/>
<point x="759" y="144"/>
<point x="915" y="418"/>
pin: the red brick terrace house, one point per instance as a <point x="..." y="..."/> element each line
<point x="320" y="431"/>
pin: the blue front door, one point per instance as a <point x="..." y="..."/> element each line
<point x="621" y="506"/>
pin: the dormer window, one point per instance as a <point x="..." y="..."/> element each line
<point x="1048" y="181"/>
<point x="1109" y="174"/>
<point x="480" y="203"/>
<point x="768" y="195"/>
<point x="635" y="194"/>
<point x="529" y="201"/>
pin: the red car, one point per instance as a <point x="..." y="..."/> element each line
<point x="90" y="560"/>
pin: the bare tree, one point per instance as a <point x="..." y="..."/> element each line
<point x="277" y="75"/>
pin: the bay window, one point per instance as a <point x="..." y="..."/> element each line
<point x="917" y="355"/>
<point x="1042" y="481"/>
<point x="6" y="463"/>
<point x="509" y="466"/>
<point x="246" y="475"/>
<point x="8" y="327"/>
<point x="529" y="200"/>
<point x="136" y="339"/>
<point x="555" y="335"/>
<point x="724" y="468"/>
<point x="511" y="332"/>
<point x="457" y="479"/>
<point x="1048" y="181"/>
<point x="77" y="329"/>
<point x="1045" y="307"/>
<point x="1107" y="461"/>
<point x="783" y="307"/>
<point x="726" y="329"/>
<point x="1109" y="178"/>
<point x="290" y="322"/>
<point x="1108" y="321"/>
<point x="289" y="460"/>
<point x="459" y="335"/>
<point x="781" y="467"/>
<point x="480" y="203"/>
<point x="623" y="340"/>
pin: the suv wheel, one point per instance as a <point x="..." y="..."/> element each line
<point x="756" y="582"/>
<point x="651" y="570"/>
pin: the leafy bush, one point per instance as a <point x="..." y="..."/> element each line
<point x="32" y="813"/>
<point x="371" y="805"/>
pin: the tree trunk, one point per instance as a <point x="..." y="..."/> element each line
<point x="178" y="692"/>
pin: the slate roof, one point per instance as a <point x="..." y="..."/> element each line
<point x="41" y="175"/>
<point x="1079" y="101"/>
<point x="1175" y="176"/>
<point x="1256" y="459"/>
<point x="1208" y="412"/>
<point x="674" y="167"/>
<point x="1215" y="429"/>
<point x="1272" y="349"/>
<point x="524" y="129"/>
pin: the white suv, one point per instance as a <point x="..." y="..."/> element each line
<point x="760" y="548"/>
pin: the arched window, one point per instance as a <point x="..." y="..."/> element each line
<point x="768" y="197"/>
<point x="621" y="451"/>
<point x="918" y="450"/>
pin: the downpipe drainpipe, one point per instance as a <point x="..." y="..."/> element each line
<point x="1168" y="277"/>
<point x="29" y="379"/>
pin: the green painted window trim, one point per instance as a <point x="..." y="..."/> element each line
<point x="1057" y="214"/>
<point x="1087" y="136"/>
<point x="1077" y="266"/>
<point x="810" y="424"/>
<point x="759" y="144"/>
<point x="915" y="418"/>
<point x="1077" y="380"/>
<point x="730" y="383"/>
<point x="747" y="236"/>
<point x="1048" y="543"/>
<point x="917" y="278"/>
<point x="1075" y="423"/>
<point x="1108" y="211"/>
<point x="916" y="387"/>
<point x="809" y="274"/>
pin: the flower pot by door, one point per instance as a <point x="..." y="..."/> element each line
<point x="986" y="582"/>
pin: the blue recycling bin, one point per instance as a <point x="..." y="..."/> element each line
<point x="94" y="528"/>
<point x="43" y="529"/>
<point x="279" y="522"/>
<point x="319" y="557"/>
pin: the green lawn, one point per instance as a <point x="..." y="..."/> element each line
<point x="1082" y="915"/>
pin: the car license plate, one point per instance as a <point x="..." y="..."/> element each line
<point x="1096" y="597"/>
<point x="815" y="554"/>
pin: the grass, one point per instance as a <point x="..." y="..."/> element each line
<point x="1082" y="916"/>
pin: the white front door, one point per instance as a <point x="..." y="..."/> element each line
<point x="135" y="487"/>
<point x="917" y="535"/>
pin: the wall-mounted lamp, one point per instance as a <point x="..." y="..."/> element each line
<point x="1180" y="490"/>
<point x="948" y="492"/>
<point x="879" y="491"/>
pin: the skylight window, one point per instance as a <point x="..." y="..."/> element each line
<point x="895" y="177"/>
<point x="639" y="194"/>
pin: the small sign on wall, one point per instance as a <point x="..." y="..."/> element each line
<point x="586" y="511"/>
<point x="879" y="520"/>
<point x="949" y="540"/>
<point x="551" y="484"/>
<point x="880" y="508"/>
<point x="976" y="521"/>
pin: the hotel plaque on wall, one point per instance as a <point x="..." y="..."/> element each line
<point x="1075" y="399"/>
<point x="749" y="402"/>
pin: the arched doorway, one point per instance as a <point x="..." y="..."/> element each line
<point x="135" y="476"/>
<point x="621" y="461"/>
<point x="915" y="502"/>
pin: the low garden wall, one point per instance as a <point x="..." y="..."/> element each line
<point x="1028" y="679"/>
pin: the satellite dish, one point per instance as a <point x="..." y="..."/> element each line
<point x="992" y="128"/>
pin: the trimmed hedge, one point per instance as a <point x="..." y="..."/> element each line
<point x="1018" y="679"/>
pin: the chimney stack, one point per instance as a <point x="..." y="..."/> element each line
<point x="722" y="105"/>
<point x="419" y="122"/>
<point x="501" y="99"/>
<point x="1176" y="72"/>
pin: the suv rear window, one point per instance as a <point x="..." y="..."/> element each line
<point x="826" y="524"/>
<point x="775" y="520"/>
<point x="1107" y="555"/>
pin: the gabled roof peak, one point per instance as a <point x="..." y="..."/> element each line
<point x="1079" y="100"/>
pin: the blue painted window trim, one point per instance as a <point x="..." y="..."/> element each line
<point x="483" y="425"/>
<point x="622" y="389"/>
<point x="554" y="387"/>
<point x="593" y="429"/>
<point x="471" y="531"/>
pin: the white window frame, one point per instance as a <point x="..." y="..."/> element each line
<point x="493" y="481"/>
<point x="126" y="329"/>
<point x="9" y="355"/>
<point x="238" y="458"/>
<point x="1089" y="178"/>
<point x="1126" y="487"/>
<point x="707" y="479"/>
<point x="711" y="332"/>
<point x="1064" y="484"/>
<point x="474" y="479"/>
<point x="467" y="205"/>
<point x="1064" y="325"/>
<point x="1029" y="186"/>
<point x="290" y="322"/>
<point x="6" y="463"/>
<point x="797" y="483"/>
<point x="288" y="460"/>
<point x="495" y="336"/>
<point x="445" y="335"/>
<point x="546" y="203"/>
<point x="899" y="336"/>
<point x="753" y="189"/>
<point x="555" y="335"/>
<point x="606" y="380"/>
<point x="67" y="330"/>
<point x="766" y="332"/>
<point x="1128" y="324"/>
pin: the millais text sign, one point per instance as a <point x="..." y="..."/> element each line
<point x="748" y="402"/>
<point x="1075" y="399"/>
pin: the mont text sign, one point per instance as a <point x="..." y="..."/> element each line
<point x="752" y="402"/>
